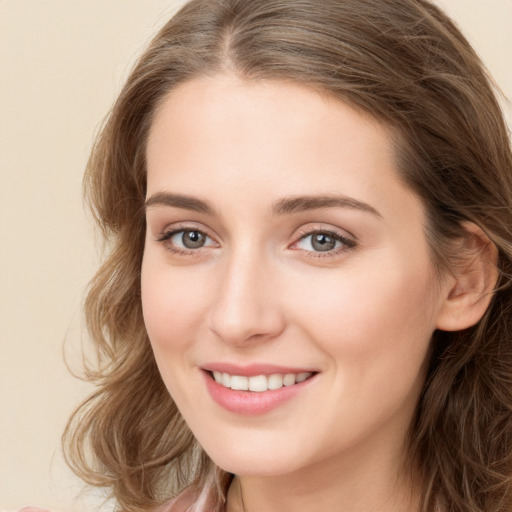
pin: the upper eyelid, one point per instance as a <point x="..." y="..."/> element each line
<point x="176" y="227"/>
<point x="340" y="238"/>
<point x="312" y="229"/>
<point x="166" y="235"/>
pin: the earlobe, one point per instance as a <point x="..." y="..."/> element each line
<point x="470" y="285"/>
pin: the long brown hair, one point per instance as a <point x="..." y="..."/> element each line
<point x="406" y="64"/>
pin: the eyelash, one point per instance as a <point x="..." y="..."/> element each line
<point x="347" y="243"/>
<point x="166" y="236"/>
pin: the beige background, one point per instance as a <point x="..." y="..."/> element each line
<point x="61" y="64"/>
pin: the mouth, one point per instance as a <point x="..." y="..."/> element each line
<point x="259" y="383"/>
<point x="257" y="389"/>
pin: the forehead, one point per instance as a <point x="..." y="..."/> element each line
<point x="216" y="123"/>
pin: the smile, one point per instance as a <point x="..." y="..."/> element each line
<point x="262" y="389"/>
<point x="259" y="383"/>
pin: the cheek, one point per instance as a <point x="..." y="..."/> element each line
<point x="375" y="329"/>
<point x="172" y="302"/>
<point x="371" y="314"/>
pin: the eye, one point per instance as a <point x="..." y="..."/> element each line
<point x="323" y="241"/>
<point x="188" y="239"/>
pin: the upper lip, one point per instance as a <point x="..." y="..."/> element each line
<point x="254" y="369"/>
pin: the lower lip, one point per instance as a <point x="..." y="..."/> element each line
<point x="251" y="402"/>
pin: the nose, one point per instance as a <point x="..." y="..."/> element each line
<point x="246" y="308"/>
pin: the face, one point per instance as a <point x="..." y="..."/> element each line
<point x="286" y="282"/>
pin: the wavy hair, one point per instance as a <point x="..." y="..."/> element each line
<point x="406" y="64"/>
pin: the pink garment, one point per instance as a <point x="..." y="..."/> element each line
<point x="187" y="501"/>
<point x="30" y="509"/>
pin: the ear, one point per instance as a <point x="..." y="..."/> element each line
<point x="469" y="285"/>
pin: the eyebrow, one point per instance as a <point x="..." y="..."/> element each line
<point x="304" y="203"/>
<point x="179" y="201"/>
<point x="284" y="206"/>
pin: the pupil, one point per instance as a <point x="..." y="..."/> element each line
<point x="323" y="242"/>
<point x="193" y="239"/>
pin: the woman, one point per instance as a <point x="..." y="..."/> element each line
<point x="306" y="303"/>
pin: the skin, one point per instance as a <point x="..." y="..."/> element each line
<point x="361" y="315"/>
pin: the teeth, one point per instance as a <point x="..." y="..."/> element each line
<point x="301" y="377"/>
<point x="239" y="383"/>
<point x="289" y="379"/>
<point x="226" y="380"/>
<point x="259" y="383"/>
<point x="275" y="381"/>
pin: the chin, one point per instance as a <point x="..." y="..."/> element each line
<point x="255" y="457"/>
<point x="253" y="466"/>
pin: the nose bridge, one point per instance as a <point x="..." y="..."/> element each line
<point x="246" y="307"/>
